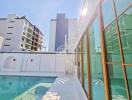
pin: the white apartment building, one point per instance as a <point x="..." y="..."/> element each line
<point x="19" y="34"/>
<point x="63" y="33"/>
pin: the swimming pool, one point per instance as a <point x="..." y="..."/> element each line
<point x="24" y="87"/>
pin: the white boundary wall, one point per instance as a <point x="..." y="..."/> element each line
<point x="33" y="63"/>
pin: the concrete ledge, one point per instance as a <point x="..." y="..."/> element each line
<point x="48" y="74"/>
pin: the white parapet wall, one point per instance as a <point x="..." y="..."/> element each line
<point x="35" y="62"/>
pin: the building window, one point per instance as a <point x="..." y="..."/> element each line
<point x="10" y="27"/>
<point x="22" y="39"/>
<point x="6" y="45"/>
<point x="21" y="45"/>
<point x="9" y="33"/>
<point x="23" y="49"/>
<point x="8" y="38"/>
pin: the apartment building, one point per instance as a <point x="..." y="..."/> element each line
<point x="20" y="34"/>
<point x="62" y="33"/>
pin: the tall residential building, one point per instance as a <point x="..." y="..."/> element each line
<point x="62" y="32"/>
<point x="19" y="34"/>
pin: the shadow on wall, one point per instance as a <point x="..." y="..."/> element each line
<point x="10" y="62"/>
<point x="33" y="63"/>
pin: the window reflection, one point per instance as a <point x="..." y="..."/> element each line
<point x="116" y="81"/>
<point x="129" y="76"/>
<point x="121" y="5"/>
<point x="125" y="27"/>
<point x="108" y="12"/>
<point x="95" y="62"/>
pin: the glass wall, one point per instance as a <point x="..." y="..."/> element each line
<point x="125" y="27"/>
<point x="115" y="22"/>
<point x="122" y="5"/>
<point x="116" y="79"/>
<point x="85" y="67"/>
<point x="129" y="77"/>
<point x="114" y="50"/>
<point x="108" y="12"/>
<point x="95" y="61"/>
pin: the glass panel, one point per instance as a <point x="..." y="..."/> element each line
<point x="108" y="12"/>
<point x="116" y="81"/>
<point x="129" y="78"/>
<point x="95" y="62"/>
<point x="121" y="5"/>
<point x="111" y="39"/>
<point x="125" y="26"/>
<point x="85" y="68"/>
<point x="112" y="45"/>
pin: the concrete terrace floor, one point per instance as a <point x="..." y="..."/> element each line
<point x="65" y="88"/>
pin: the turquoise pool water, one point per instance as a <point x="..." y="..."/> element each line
<point x="24" y="87"/>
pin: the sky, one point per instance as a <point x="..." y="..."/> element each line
<point x="39" y="12"/>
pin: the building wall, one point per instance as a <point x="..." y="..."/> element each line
<point x="52" y="36"/>
<point x="25" y="62"/>
<point x="22" y="34"/>
<point x="16" y="30"/>
<point x="86" y="16"/>
<point x="37" y="40"/>
<point x="61" y="30"/>
<point x="72" y="34"/>
<point x="1" y="41"/>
